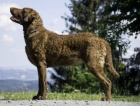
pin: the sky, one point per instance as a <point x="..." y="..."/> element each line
<point x="12" y="45"/>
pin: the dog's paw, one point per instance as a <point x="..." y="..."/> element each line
<point x="39" y="98"/>
<point x="105" y="99"/>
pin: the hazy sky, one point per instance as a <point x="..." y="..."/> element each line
<point x="12" y="53"/>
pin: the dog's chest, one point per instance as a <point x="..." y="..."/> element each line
<point x="34" y="50"/>
<point x="29" y="55"/>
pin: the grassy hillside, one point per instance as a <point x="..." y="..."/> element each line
<point x="68" y="96"/>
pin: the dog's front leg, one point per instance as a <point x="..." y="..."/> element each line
<point x="42" y="86"/>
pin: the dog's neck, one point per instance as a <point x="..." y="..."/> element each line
<point x="31" y="28"/>
<point x="33" y="32"/>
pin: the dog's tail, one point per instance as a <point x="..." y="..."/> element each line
<point x="109" y="63"/>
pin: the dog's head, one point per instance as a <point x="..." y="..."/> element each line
<point x="23" y="16"/>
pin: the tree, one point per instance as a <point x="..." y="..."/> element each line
<point x="83" y="16"/>
<point x="127" y="14"/>
<point x="129" y="82"/>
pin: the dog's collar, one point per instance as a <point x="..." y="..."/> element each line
<point x="33" y="33"/>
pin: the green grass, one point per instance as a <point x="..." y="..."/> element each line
<point x="67" y="96"/>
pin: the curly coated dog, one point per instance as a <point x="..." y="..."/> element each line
<point x="48" y="49"/>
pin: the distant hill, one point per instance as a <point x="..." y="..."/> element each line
<point x="18" y="86"/>
<point x="18" y="74"/>
<point x="17" y="80"/>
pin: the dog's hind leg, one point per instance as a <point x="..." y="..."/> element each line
<point x="108" y="91"/>
<point x="96" y="69"/>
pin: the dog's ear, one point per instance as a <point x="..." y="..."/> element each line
<point x="27" y="18"/>
<point x="27" y="14"/>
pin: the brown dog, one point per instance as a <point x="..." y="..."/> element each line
<point x="47" y="49"/>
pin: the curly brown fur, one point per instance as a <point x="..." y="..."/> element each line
<point x="47" y="49"/>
